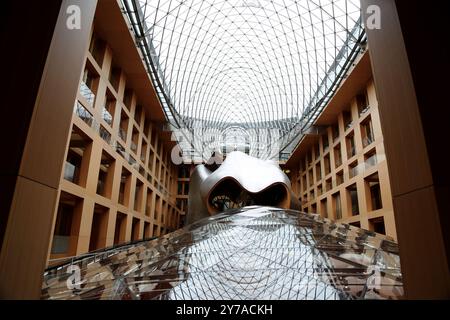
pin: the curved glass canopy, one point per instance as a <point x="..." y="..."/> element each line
<point x="264" y="65"/>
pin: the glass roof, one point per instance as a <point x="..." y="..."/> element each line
<point x="264" y="64"/>
<point x="253" y="253"/>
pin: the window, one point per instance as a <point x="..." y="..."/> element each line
<point x="75" y="169"/>
<point x="125" y="183"/>
<point x="120" y="228"/>
<point x="324" y="208"/>
<point x="147" y="230"/>
<point x="144" y="151"/>
<point x="151" y="159"/>
<point x="337" y="156"/>
<point x="347" y="119"/>
<point x="105" y="175"/>
<point x="68" y="218"/>
<point x="325" y="142"/>
<point x="351" y="149"/>
<point x="352" y="194"/>
<point x="317" y="150"/>
<point x="362" y="102"/>
<point x="327" y="164"/>
<point x="99" y="228"/>
<point x="89" y="84"/>
<point x="84" y="114"/>
<point x="148" y="205"/>
<point x="319" y="190"/>
<point x="183" y="172"/>
<point x="157" y="208"/>
<point x="339" y="178"/>
<point x="335" y="132"/>
<point x="114" y="76"/>
<point x="367" y="132"/>
<point x="377" y="225"/>
<point x="123" y="129"/>
<point x="372" y="183"/>
<point x="155" y="230"/>
<point x="135" y="139"/>
<point x="138" y="194"/>
<point x="136" y="224"/>
<point x="337" y="208"/>
<point x="127" y="98"/>
<point x="356" y="224"/>
<point x="109" y="108"/>
<point x="370" y="159"/>
<point x="318" y="172"/>
<point x="104" y="134"/>
<point x="97" y="49"/>
<point x="328" y="184"/>
<point x="138" y="115"/>
<point x="353" y="169"/>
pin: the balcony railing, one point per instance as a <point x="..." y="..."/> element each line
<point x="70" y="172"/>
<point x="84" y="115"/>
<point x="364" y="110"/>
<point x="105" y="135"/>
<point x="353" y="172"/>
<point x="348" y="125"/>
<point x="60" y="244"/>
<point x="133" y="146"/>
<point x="122" y="134"/>
<point x="107" y="116"/>
<point x="371" y="161"/>
<point x="87" y="93"/>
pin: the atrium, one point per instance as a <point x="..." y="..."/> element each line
<point x="224" y="149"/>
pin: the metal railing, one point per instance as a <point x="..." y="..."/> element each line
<point x="371" y="161"/>
<point x="106" y="115"/>
<point x="87" y="93"/>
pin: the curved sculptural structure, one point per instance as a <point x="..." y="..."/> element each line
<point x="240" y="181"/>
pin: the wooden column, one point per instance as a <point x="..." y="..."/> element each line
<point x="407" y="58"/>
<point x="44" y="91"/>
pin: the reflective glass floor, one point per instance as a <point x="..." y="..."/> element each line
<point x="252" y="253"/>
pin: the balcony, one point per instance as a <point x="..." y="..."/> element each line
<point x="87" y="93"/>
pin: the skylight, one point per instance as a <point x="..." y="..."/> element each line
<point x="253" y="64"/>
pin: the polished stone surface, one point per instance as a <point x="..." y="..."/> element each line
<point x="252" y="253"/>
